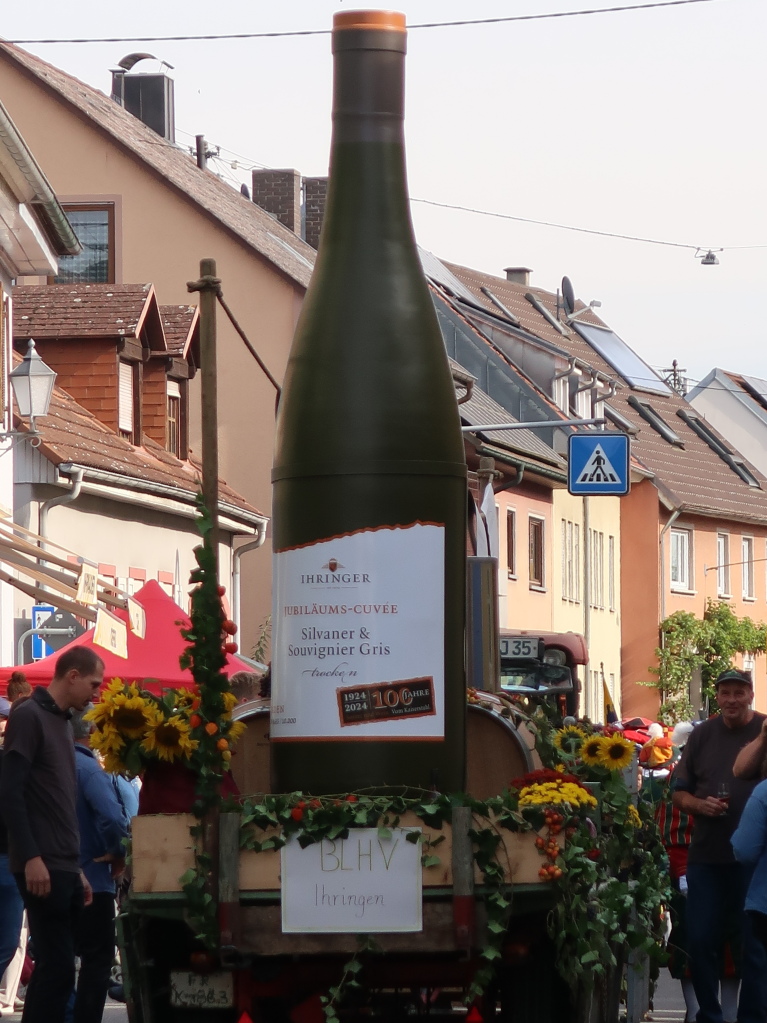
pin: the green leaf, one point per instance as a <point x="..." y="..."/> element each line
<point x="385" y="834"/>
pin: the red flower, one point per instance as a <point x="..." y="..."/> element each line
<point x="593" y="854"/>
<point x="297" y="813"/>
<point x="351" y="798"/>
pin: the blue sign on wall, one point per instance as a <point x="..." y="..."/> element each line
<point x="598" y="463"/>
<point x="40" y="614"/>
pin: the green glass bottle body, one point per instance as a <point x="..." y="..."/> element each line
<point x="369" y="478"/>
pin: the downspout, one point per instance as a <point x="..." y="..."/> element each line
<point x="672" y="519"/>
<point x="75" y="473"/>
<point x="237" y="554"/>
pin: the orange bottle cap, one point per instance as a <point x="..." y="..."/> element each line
<point x="392" y="20"/>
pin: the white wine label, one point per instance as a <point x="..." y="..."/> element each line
<point x="359" y="636"/>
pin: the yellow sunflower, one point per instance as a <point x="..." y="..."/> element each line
<point x="616" y="753"/>
<point x="185" y="698"/>
<point x="569" y="738"/>
<point x="113" y="764"/>
<point x="106" y="739"/>
<point x="591" y="751"/>
<point x="236" y="730"/>
<point x="169" y="739"/>
<point x="230" y="701"/>
<point x="632" y="816"/>
<point x="131" y="714"/>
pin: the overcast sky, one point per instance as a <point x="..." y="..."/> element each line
<point x="646" y="123"/>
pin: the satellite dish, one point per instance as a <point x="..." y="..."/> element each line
<point x="568" y="296"/>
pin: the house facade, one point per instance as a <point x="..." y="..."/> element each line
<point x="34" y="234"/>
<point x="149" y="213"/>
<point x="694" y="497"/>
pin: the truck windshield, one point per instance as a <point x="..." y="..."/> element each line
<point x="535" y="678"/>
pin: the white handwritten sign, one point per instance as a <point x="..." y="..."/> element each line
<point x="87" y="585"/>
<point x="111" y="633"/>
<point x="202" y="991"/>
<point x="360" y="884"/>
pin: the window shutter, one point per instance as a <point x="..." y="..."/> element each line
<point x="125" y="415"/>
<point x="5" y="311"/>
<point x="174" y="391"/>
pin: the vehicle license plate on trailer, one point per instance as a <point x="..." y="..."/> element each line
<point x="522" y="647"/>
<point x="201" y="991"/>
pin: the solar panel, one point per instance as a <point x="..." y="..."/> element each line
<point x="623" y="359"/>
<point x="439" y="273"/>
<point x="758" y="386"/>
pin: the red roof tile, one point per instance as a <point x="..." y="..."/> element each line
<point x="79" y="311"/>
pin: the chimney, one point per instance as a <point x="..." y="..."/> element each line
<point x="147" y="96"/>
<point x="518" y="274"/>
<point x="315" y="194"/>
<point x="279" y="193"/>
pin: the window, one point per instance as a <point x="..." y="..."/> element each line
<point x="648" y="413"/>
<point x="536" y="553"/>
<point x="126" y="408"/>
<point x="560" y="393"/>
<point x="571" y="559"/>
<point x="174" y="418"/>
<point x="747" y="557"/>
<point x="611" y="573"/>
<point x="93" y="224"/>
<point x="597" y="567"/>
<point x="511" y="543"/>
<point x="722" y="565"/>
<point x="681" y="559"/>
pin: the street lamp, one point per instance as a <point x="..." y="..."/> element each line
<point x="32" y="384"/>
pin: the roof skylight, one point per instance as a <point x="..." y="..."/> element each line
<point x="648" y="413"/>
<point x="623" y="359"/>
<point x="735" y="462"/>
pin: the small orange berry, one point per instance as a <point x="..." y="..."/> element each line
<point x="211" y="728"/>
<point x="222" y="744"/>
<point x="195" y="721"/>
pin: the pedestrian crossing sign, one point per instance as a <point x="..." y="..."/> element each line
<point x="598" y="463"/>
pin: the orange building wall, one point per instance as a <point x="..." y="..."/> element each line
<point x="640" y="591"/>
<point x="163" y="238"/>
<point x="705" y="580"/>
<point x="521" y="607"/>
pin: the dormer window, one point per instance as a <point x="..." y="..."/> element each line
<point x="174" y="444"/>
<point x="128" y="401"/>
<point x="648" y="413"/>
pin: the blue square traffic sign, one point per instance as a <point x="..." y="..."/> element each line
<point x="598" y="463"/>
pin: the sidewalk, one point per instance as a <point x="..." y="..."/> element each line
<point x="114" y="1012"/>
<point x="668" y="1002"/>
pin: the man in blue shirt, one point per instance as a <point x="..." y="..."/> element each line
<point x="103" y="828"/>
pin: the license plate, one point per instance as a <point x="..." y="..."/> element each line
<point x="522" y="647"/>
<point x="201" y="991"/>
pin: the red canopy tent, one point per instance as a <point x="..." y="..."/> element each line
<point x="155" y="657"/>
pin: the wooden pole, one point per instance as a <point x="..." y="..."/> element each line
<point x="209" y="286"/>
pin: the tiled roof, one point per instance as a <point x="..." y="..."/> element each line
<point x="480" y="409"/>
<point x="254" y="226"/>
<point x="79" y="310"/>
<point x="69" y="433"/>
<point x="692" y="476"/>
<point x="179" y="323"/>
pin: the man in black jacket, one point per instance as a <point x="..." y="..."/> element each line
<point x="38" y="792"/>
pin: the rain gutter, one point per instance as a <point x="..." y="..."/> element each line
<point x="66" y="242"/>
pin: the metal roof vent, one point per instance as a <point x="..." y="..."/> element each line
<point x="147" y="96"/>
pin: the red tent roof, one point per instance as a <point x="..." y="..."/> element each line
<point x="155" y="657"/>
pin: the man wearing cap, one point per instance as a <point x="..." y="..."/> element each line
<point x="705" y="786"/>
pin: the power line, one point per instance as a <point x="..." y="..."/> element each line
<point x="325" y="32"/>
<point x="580" y="230"/>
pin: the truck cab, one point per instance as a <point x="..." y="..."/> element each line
<point x="537" y="666"/>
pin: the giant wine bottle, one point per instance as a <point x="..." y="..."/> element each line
<point x="369" y="474"/>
